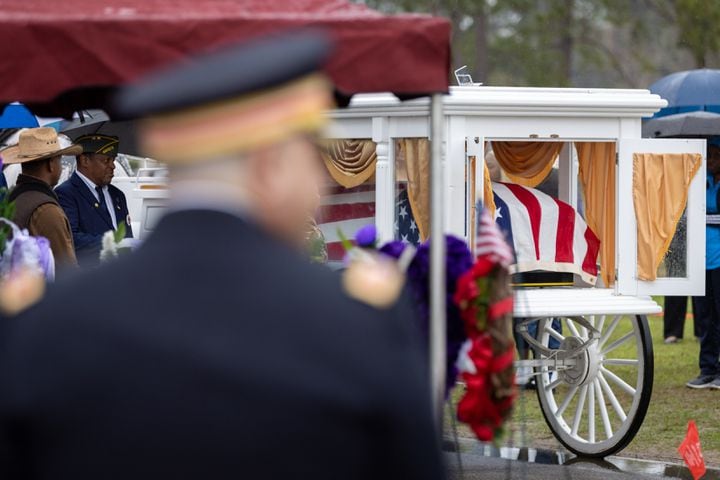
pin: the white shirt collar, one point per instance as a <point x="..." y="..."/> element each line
<point x="91" y="185"/>
<point x="105" y="192"/>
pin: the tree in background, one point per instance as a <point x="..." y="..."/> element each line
<point x="590" y="43"/>
<point x="698" y="25"/>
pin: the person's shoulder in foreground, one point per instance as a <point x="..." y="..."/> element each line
<point x="265" y="356"/>
<point x="215" y="350"/>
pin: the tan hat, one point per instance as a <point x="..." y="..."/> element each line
<point x="37" y="144"/>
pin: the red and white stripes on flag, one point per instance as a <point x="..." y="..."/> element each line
<point x="346" y="209"/>
<point x="547" y="234"/>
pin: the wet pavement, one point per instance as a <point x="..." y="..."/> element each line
<point x="481" y="461"/>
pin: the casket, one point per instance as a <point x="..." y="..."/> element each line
<point x="552" y="243"/>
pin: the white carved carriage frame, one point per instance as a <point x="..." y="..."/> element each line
<point x="473" y="115"/>
<point x="588" y="369"/>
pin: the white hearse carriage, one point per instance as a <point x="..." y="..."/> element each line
<point x="593" y="357"/>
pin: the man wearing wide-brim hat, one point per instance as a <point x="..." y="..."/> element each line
<point x="37" y="208"/>
<point x="217" y="349"/>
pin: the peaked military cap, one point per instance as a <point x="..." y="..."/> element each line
<point x="234" y="100"/>
<point x="99" y="143"/>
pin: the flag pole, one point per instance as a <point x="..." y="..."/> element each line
<point x="438" y="330"/>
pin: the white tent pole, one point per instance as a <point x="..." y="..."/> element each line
<point x="437" y="260"/>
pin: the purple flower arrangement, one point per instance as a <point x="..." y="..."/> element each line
<point x="459" y="260"/>
<point x="24" y="251"/>
<point x="366" y="237"/>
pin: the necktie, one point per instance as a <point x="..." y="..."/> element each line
<point x="101" y="201"/>
<point x="101" y="197"/>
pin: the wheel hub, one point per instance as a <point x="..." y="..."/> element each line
<point x="587" y="361"/>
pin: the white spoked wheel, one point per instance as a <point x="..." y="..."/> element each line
<point x="596" y="407"/>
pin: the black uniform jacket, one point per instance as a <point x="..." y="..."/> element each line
<point x="89" y="220"/>
<point x="212" y="352"/>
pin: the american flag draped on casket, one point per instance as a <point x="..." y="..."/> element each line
<point x="547" y="234"/>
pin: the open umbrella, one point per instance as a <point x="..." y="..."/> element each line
<point x="693" y="109"/>
<point x="690" y="124"/>
<point x="689" y="91"/>
<point x="16" y="115"/>
<point x="87" y="122"/>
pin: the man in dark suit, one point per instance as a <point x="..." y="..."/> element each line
<point x="94" y="206"/>
<point x="217" y="350"/>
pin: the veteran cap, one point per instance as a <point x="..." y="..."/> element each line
<point x="99" y="143"/>
<point x="235" y="100"/>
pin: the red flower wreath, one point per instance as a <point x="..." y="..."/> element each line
<point x="487" y="366"/>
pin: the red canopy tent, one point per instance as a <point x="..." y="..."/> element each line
<point x="48" y="48"/>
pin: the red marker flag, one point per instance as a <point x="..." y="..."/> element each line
<point x="691" y="451"/>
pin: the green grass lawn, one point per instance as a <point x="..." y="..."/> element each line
<point x="671" y="407"/>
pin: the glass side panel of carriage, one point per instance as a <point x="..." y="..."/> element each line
<point x="411" y="163"/>
<point x="593" y="373"/>
<point x="674" y="263"/>
<point x="681" y="270"/>
<point x="343" y="210"/>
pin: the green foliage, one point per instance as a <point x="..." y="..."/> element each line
<point x="699" y="24"/>
<point x="120" y="232"/>
<point x="344" y="241"/>
<point x="7" y="211"/>
<point x="589" y="43"/>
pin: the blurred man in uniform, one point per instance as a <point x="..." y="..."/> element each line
<point x="217" y="350"/>
<point x="91" y="203"/>
<point x="37" y="208"/>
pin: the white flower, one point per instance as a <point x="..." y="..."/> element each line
<point x="109" y="247"/>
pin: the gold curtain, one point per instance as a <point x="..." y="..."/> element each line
<point x="660" y="190"/>
<point x="488" y="199"/>
<point x="597" y="176"/>
<point x="350" y="162"/>
<point x="527" y="163"/>
<point x="417" y="160"/>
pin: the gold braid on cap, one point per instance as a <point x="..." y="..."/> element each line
<point x="108" y="147"/>
<point x="238" y="125"/>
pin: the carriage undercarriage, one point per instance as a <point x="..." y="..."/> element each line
<point x="592" y="363"/>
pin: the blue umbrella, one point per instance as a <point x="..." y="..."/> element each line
<point x="689" y="91"/>
<point x="16" y="115"/>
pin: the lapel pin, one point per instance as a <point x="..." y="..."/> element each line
<point x="97" y="205"/>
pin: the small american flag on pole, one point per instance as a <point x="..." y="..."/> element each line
<point x="491" y="242"/>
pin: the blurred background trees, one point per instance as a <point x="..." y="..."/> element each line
<point x="580" y="43"/>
